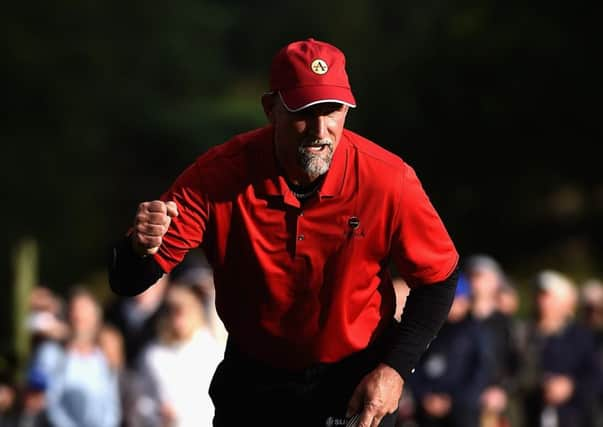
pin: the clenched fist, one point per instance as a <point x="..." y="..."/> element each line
<point x="150" y="225"/>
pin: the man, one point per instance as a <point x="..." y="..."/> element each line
<point x="299" y="221"/>
<point x="455" y="370"/>
<point x="486" y="280"/>
<point x="560" y="374"/>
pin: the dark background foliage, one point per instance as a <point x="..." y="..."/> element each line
<point x="494" y="103"/>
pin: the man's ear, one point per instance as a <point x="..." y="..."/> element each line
<point x="268" y="103"/>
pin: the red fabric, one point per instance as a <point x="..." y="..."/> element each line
<point x="299" y="285"/>
<point x="309" y="71"/>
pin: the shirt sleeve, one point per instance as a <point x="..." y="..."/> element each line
<point x="421" y="248"/>
<point x="187" y="229"/>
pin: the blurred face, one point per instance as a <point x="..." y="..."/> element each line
<point x="84" y="316"/>
<point x="508" y="302"/>
<point x="460" y="308"/>
<point x="7" y="397"/>
<point x="484" y="283"/>
<point x="305" y="141"/>
<point x="553" y="305"/>
<point x="184" y="312"/>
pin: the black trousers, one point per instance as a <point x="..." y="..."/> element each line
<point x="248" y="392"/>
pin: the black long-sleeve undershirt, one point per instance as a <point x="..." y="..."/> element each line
<point x="129" y="273"/>
<point x="424" y="314"/>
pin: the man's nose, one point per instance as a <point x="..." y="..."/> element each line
<point x="319" y="127"/>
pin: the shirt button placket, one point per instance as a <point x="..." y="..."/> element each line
<point x="300" y="234"/>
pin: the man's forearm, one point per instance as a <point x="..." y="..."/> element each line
<point x="424" y="314"/>
<point x="129" y="273"/>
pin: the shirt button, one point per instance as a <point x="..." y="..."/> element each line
<point x="300" y="237"/>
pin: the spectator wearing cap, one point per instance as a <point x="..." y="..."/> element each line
<point x="299" y="221"/>
<point x="454" y="371"/>
<point x="487" y="281"/>
<point x="560" y="375"/>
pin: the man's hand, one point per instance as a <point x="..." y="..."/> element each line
<point x="377" y="395"/>
<point x="150" y="225"/>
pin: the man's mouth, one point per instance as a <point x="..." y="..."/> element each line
<point x="315" y="148"/>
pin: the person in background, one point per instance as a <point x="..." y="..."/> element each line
<point x="591" y="299"/>
<point x="111" y="342"/>
<point x="560" y="375"/>
<point x="82" y="388"/>
<point x="8" y="397"/>
<point x="507" y="300"/>
<point x="136" y="319"/>
<point x="32" y="412"/>
<point x="486" y="279"/>
<point x="46" y="317"/>
<point x="591" y="311"/>
<point x="454" y="371"/>
<point x="179" y="365"/>
<point x="196" y="271"/>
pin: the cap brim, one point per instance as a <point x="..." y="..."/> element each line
<point x="303" y="97"/>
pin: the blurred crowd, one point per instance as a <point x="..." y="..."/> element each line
<point x="491" y="367"/>
<point x="147" y="361"/>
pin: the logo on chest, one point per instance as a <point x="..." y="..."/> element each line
<point x="354" y="228"/>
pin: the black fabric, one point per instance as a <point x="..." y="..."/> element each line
<point x="129" y="273"/>
<point x="569" y="352"/>
<point x="457" y="365"/>
<point x="498" y="328"/>
<point x="424" y="314"/>
<point x="248" y="392"/>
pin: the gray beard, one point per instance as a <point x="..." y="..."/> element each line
<point x="315" y="165"/>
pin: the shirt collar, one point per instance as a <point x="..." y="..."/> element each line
<point x="272" y="182"/>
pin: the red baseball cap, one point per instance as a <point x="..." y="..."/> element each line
<point x="309" y="72"/>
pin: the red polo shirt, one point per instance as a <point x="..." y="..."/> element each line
<point x="300" y="284"/>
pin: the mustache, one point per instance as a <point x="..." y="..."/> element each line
<point x="314" y="142"/>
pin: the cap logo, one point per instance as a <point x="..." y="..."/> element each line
<point x="319" y="66"/>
